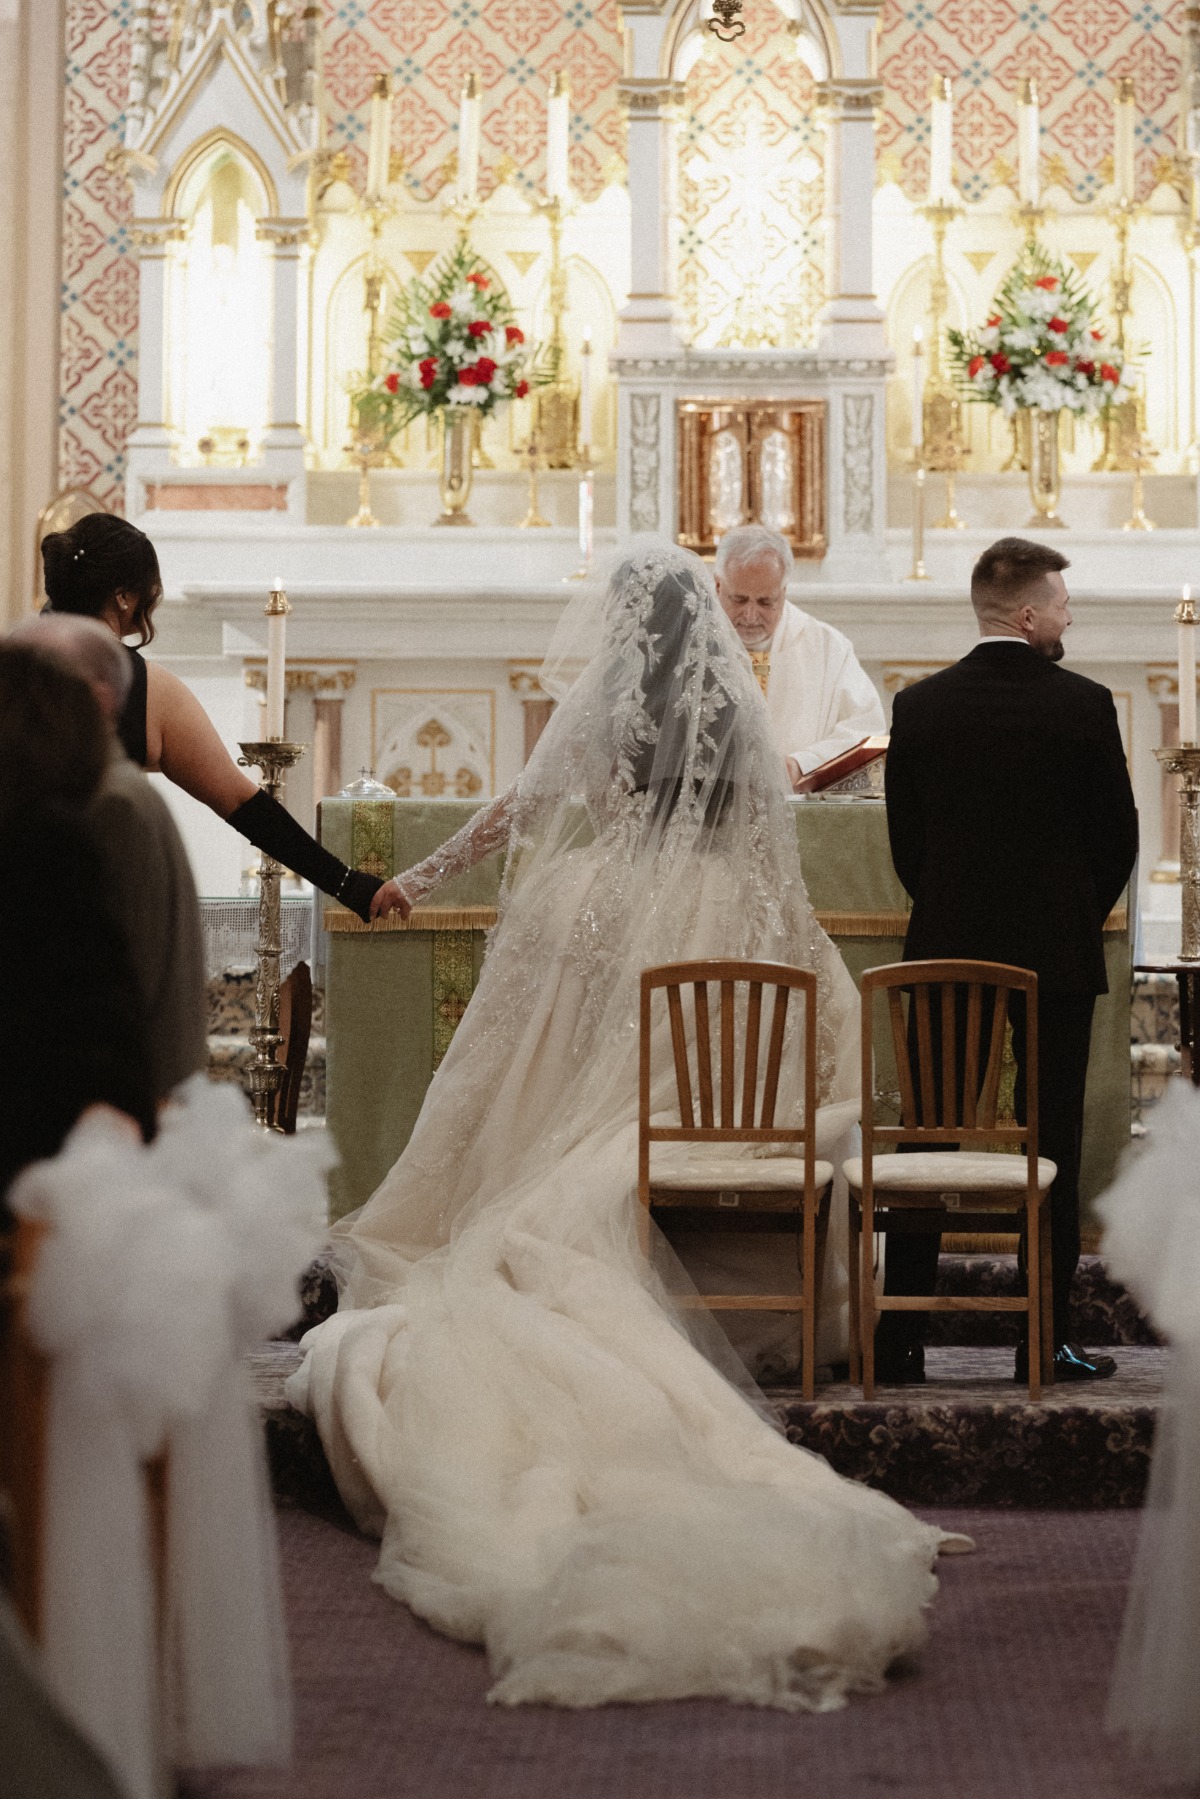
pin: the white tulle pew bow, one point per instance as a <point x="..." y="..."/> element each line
<point x="160" y="1267"/>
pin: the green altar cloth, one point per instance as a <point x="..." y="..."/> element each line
<point x="393" y="996"/>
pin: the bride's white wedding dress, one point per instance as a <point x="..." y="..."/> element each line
<point x="563" y="1464"/>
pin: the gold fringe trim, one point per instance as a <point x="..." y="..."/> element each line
<point x="964" y="1244"/>
<point x="863" y="924"/>
<point x="424" y="918"/>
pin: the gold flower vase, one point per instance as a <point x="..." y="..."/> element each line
<point x="454" y="481"/>
<point x="1045" y="476"/>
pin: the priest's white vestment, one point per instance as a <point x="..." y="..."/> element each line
<point x="819" y="699"/>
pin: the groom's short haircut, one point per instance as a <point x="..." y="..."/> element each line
<point x="1006" y="571"/>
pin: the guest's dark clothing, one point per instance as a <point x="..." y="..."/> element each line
<point x="1013" y="827"/>
<point x="72" y="1033"/>
<point x="131" y="725"/>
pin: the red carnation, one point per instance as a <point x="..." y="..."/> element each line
<point x="468" y="377"/>
<point x="478" y="281"/>
<point x="1056" y="358"/>
<point x="485" y="368"/>
<point x="994" y="320"/>
<point x="478" y="328"/>
<point x="521" y="389"/>
<point x="1086" y="368"/>
<point x="1109" y="373"/>
<point x="999" y="362"/>
<point x="974" y="366"/>
<point x="392" y="383"/>
<point x="1047" y="282"/>
<point x="428" y="368"/>
<point x="513" y="334"/>
<point x="1058" y="325"/>
<point x="1098" y="336"/>
<point x="439" y="310"/>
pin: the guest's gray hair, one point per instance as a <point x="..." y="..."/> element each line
<point x="83" y="645"/>
<point x="746" y="543"/>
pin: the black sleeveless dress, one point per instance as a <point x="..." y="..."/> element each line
<point x="131" y="725"/>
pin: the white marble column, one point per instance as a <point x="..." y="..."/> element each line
<point x="852" y="322"/>
<point x="649" y="322"/>
<point x="152" y="439"/>
<point x="284" y="440"/>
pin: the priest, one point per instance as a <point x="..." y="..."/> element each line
<point x="821" y="703"/>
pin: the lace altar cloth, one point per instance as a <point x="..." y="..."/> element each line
<point x="230" y="929"/>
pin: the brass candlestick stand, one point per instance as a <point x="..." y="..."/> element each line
<point x="1183" y="760"/>
<point x="918" y="571"/>
<point x="368" y="449"/>
<point x="1121" y="423"/>
<point x="556" y="405"/>
<point x="944" y="439"/>
<point x="532" y="453"/>
<point x="266" y="1075"/>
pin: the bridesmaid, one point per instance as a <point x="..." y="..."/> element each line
<point x="105" y="568"/>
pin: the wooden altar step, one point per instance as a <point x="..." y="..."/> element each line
<point x="970" y="1436"/>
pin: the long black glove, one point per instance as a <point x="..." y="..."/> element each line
<point x="272" y="829"/>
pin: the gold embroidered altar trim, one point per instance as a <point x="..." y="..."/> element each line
<point x="482" y="918"/>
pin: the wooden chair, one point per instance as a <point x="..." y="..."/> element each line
<point x="958" y="1176"/>
<point x="788" y="1192"/>
<point x="295" y="1027"/>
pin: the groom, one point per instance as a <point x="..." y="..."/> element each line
<point x="1013" y="827"/>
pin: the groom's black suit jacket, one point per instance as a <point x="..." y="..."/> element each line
<point x="1011" y="816"/>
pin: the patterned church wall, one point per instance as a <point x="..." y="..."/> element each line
<point x="1074" y="47"/>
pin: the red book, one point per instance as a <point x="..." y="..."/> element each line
<point x="869" y="749"/>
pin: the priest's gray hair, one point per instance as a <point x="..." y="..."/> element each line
<point x="746" y="543"/>
<point x="82" y="645"/>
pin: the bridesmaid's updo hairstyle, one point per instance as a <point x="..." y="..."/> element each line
<point x="96" y="558"/>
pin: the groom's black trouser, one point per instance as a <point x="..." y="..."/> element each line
<point x="1063" y="1040"/>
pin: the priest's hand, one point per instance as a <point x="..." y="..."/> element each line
<point x="796" y="776"/>
<point x="391" y="898"/>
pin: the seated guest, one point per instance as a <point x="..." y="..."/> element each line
<point x="150" y="879"/>
<point x="72" y="1032"/>
<point x="820" y="701"/>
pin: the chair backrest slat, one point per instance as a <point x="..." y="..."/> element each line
<point x="949" y="1096"/>
<point x="775" y="1056"/>
<point x="704" y="1073"/>
<point x="908" y="1098"/>
<point x="683" y="1079"/>
<point x="750" y="1065"/>
<point x="971" y="1065"/>
<point x="925" y="1056"/>
<point x="989" y="1098"/>
<point x="727" y="1041"/>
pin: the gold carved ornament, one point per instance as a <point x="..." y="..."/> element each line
<point x="435" y="783"/>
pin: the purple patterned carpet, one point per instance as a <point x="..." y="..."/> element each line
<point x="1006" y="1701"/>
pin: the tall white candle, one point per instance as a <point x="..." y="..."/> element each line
<point x="1029" y="173"/>
<point x="918" y="389"/>
<point x="1124" y="120"/>
<point x="586" y="517"/>
<point x="558" y="137"/>
<point x="1185" y="618"/>
<point x="941" y="138"/>
<point x="470" y="112"/>
<point x="379" y="140"/>
<point x="276" y="609"/>
<point x="585" y="391"/>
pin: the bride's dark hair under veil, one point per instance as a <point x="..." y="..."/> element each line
<point x="650" y="825"/>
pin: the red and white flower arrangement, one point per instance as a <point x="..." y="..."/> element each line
<point x="1040" y="347"/>
<point x="454" y="342"/>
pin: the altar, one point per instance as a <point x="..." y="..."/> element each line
<point x="395" y="993"/>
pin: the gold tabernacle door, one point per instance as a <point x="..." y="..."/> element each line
<point x="758" y="462"/>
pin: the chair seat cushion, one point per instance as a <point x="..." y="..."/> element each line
<point x="950" y="1171"/>
<point x="720" y="1167"/>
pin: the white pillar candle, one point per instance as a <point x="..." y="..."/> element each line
<point x="470" y="112"/>
<point x="1185" y="616"/>
<point x="918" y="389"/>
<point x="586" y="517"/>
<point x="1029" y="174"/>
<point x="585" y="391"/>
<point x="558" y="137"/>
<point x="276" y="609"/>
<point x="1124" y="119"/>
<point x="941" y="136"/>
<point x="379" y="139"/>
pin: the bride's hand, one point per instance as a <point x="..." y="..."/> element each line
<point x="391" y="898"/>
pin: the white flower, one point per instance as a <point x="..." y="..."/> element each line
<point x="1021" y="337"/>
<point x="418" y="343"/>
<point x="465" y="396"/>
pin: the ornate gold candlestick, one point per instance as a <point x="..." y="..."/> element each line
<point x="266" y="1075"/>
<point x="1183" y="760"/>
<point x="1122" y="426"/>
<point x="944" y="439"/>
<point x="556" y="405"/>
<point x="532" y="453"/>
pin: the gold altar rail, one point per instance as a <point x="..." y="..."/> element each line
<point x="482" y="918"/>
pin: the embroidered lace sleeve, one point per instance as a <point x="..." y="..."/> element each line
<point x="482" y="835"/>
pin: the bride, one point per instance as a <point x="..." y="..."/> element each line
<point x="562" y="1463"/>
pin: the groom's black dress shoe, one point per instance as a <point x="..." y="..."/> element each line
<point x="900" y="1367"/>
<point x="1069" y="1364"/>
